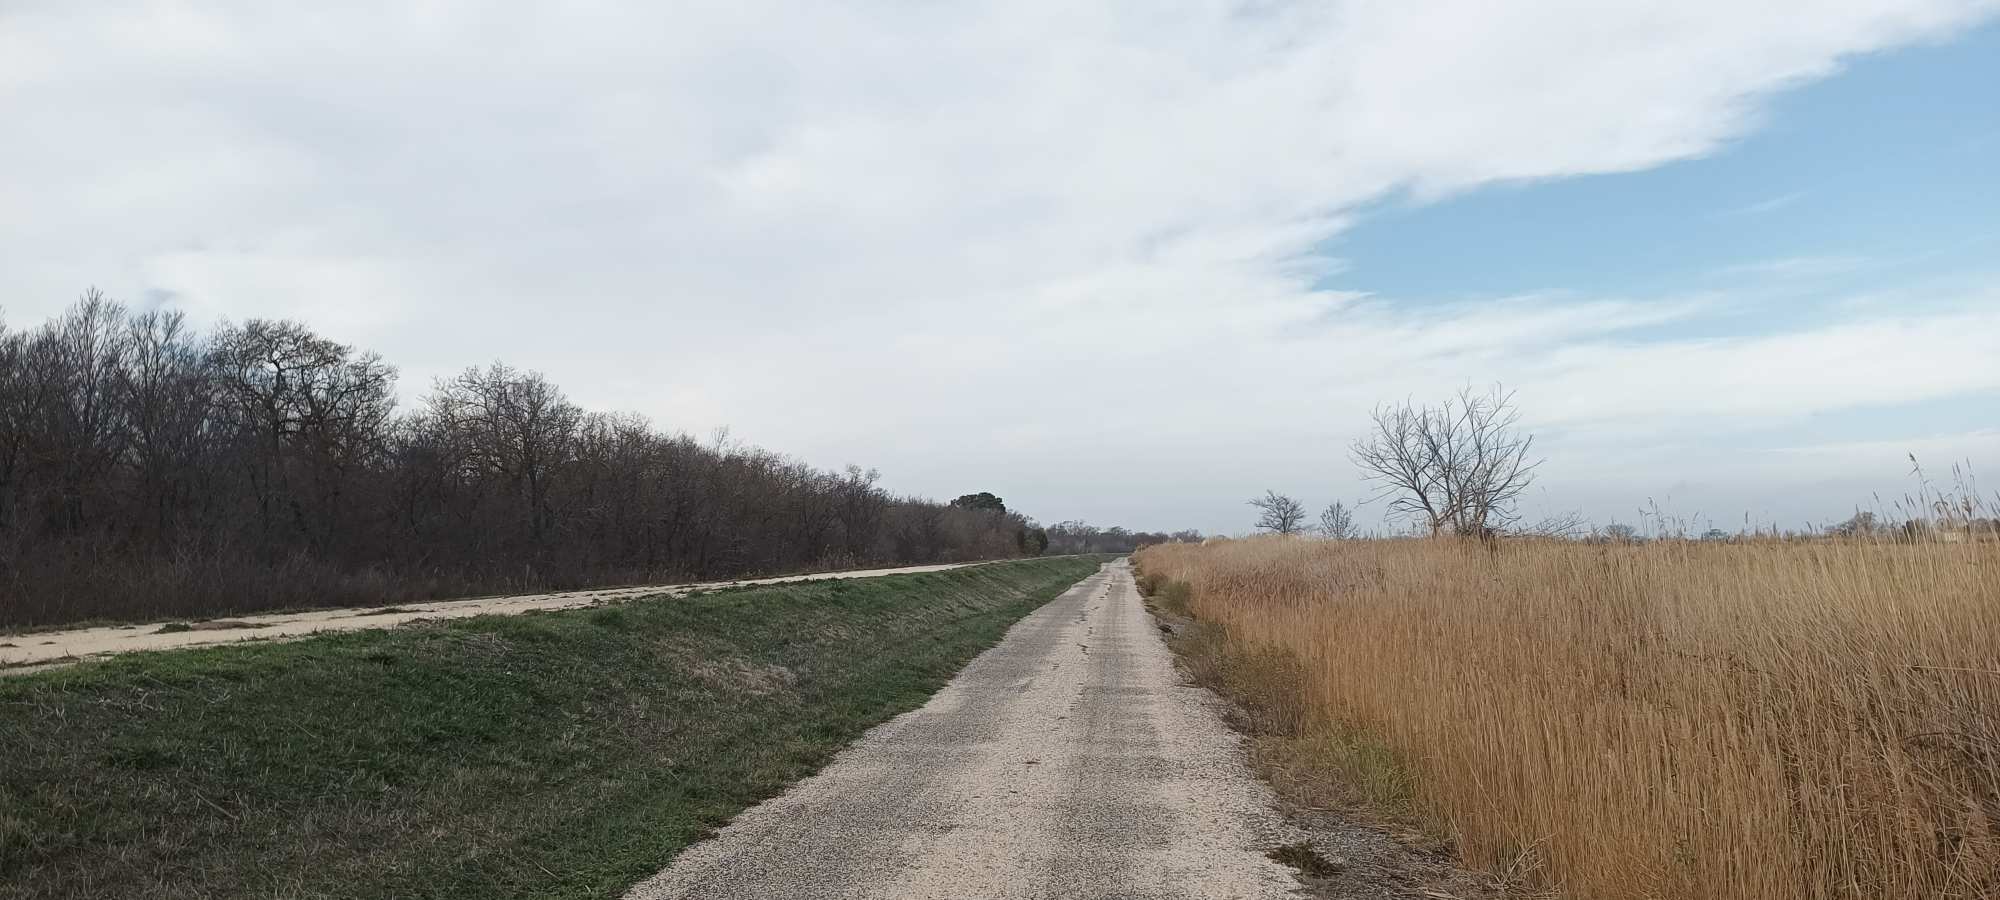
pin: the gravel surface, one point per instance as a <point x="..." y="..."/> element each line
<point x="32" y="651"/>
<point x="1068" y="761"/>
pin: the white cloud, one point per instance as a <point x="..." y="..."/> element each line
<point x="947" y="239"/>
<point x="1794" y="268"/>
<point x="1943" y="451"/>
<point x="1766" y="205"/>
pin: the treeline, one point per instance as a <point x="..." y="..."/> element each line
<point x="1082" y="537"/>
<point x="147" y="470"/>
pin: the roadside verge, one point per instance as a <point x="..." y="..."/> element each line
<point x="1350" y="796"/>
<point x="560" y="754"/>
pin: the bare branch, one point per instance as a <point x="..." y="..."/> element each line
<point x="1279" y="514"/>
<point x="1458" y="467"/>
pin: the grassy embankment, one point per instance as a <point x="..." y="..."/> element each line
<point x="562" y="754"/>
<point x="1756" y="721"/>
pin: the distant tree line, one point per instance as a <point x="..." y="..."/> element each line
<point x="148" y="470"/>
<point x="1082" y="537"/>
<point x="1458" y="469"/>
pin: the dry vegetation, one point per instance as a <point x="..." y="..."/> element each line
<point x="1751" y="720"/>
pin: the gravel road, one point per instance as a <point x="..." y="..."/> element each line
<point x="1069" y="761"/>
<point x="36" y="650"/>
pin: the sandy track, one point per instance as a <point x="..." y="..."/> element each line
<point x="34" y="651"/>
<point x="1068" y="761"/>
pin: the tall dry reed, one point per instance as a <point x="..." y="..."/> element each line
<point x="1750" y="721"/>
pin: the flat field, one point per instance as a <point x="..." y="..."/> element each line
<point x="1760" y="720"/>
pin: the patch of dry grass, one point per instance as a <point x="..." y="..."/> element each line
<point x="1750" y="721"/>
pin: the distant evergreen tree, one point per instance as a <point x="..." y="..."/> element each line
<point x="981" y="500"/>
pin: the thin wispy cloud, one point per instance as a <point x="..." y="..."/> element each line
<point x="1795" y="267"/>
<point x="1937" y="448"/>
<point x="1767" y="205"/>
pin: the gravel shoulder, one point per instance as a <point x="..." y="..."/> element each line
<point x="1071" y="760"/>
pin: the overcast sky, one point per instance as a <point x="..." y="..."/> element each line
<point x="1131" y="262"/>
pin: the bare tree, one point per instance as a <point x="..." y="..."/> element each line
<point x="314" y="412"/>
<point x="522" y="429"/>
<point x="1459" y="466"/>
<point x="1335" y="521"/>
<point x="1861" y="524"/>
<point x="1278" y="513"/>
<point x="84" y="423"/>
<point x="169" y="410"/>
<point x="1565" y="526"/>
<point x="859" y="506"/>
<point x="24" y="393"/>
<point x="1621" y="533"/>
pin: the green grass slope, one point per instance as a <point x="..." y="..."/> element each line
<point x="563" y="754"/>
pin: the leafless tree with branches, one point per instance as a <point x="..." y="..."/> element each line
<point x="1568" y="525"/>
<point x="1279" y="514"/>
<point x="1459" y="466"/>
<point x="1336" y="521"/>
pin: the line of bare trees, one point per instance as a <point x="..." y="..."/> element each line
<point x="150" y="471"/>
<point x="1283" y="514"/>
<point x="1460" y="468"/>
<point x="1457" y="468"/>
<point x="1082" y="537"/>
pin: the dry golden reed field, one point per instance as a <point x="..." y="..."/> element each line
<point x="1757" y="720"/>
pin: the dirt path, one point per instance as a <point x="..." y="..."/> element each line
<point x="34" y="651"/>
<point x="1068" y="761"/>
